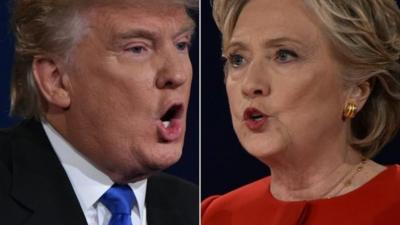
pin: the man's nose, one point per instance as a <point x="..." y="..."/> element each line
<point x="256" y="81"/>
<point x="175" y="71"/>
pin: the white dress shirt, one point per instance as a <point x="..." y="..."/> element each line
<point x="90" y="184"/>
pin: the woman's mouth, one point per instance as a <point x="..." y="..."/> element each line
<point x="254" y="119"/>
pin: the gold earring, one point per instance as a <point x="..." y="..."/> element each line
<point x="350" y="110"/>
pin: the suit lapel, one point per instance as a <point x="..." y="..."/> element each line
<point x="40" y="184"/>
<point x="159" y="205"/>
<point x="160" y="216"/>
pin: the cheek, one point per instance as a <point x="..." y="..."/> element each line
<point x="233" y="93"/>
<point x="106" y="96"/>
<point x="310" y="90"/>
<point x="188" y="71"/>
<point x="315" y="103"/>
<point x="188" y="68"/>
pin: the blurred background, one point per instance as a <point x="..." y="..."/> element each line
<point x="225" y="165"/>
<point x="187" y="167"/>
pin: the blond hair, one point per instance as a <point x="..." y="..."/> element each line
<point x="49" y="28"/>
<point x="365" y="35"/>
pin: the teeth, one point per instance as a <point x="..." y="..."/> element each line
<point x="256" y="117"/>
<point x="166" y="124"/>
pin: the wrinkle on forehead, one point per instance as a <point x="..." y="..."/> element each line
<point x="105" y="15"/>
<point x="162" y="7"/>
<point x="286" y="19"/>
<point x="111" y="19"/>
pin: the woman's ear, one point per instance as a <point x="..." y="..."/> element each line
<point x="51" y="82"/>
<point x="358" y="94"/>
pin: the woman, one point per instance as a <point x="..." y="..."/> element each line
<point x="314" y="92"/>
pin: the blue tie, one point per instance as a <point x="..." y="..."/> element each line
<point x="119" y="200"/>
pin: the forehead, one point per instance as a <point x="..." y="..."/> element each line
<point x="288" y="18"/>
<point x="151" y="15"/>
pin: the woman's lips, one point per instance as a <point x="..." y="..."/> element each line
<point x="254" y="119"/>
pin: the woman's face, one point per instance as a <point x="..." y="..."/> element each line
<point x="285" y="88"/>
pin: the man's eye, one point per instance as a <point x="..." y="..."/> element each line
<point x="183" y="46"/>
<point x="236" y="60"/>
<point x="284" y="55"/>
<point x="137" y="49"/>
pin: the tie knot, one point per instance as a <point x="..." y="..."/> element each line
<point x="119" y="199"/>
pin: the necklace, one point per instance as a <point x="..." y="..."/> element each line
<point x="345" y="182"/>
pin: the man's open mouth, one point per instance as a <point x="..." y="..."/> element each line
<point x="170" y="126"/>
<point x="174" y="112"/>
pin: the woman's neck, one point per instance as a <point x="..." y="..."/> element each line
<point x="324" y="177"/>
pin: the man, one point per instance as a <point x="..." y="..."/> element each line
<point x="104" y="86"/>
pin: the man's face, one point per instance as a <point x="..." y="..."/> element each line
<point x="130" y="86"/>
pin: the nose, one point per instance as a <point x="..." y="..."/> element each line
<point x="256" y="81"/>
<point x="175" y="71"/>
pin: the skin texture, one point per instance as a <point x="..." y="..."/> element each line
<point x="128" y="69"/>
<point x="280" y="62"/>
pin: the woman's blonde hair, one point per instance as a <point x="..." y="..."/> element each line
<point x="48" y="28"/>
<point x="365" y="35"/>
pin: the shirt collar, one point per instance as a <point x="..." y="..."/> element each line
<point x="88" y="182"/>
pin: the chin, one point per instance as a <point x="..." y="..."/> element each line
<point x="128" y="177"/>
<point x="262" y="149"/>
<point x="161" y="156"/>
<point x="165" y="158"/>
<point x="149" y="160"/>
<point x="133" y="173"/>
<point x="263" y="145"/>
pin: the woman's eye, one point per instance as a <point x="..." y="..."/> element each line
<point x="284" y="55"/>
<point x="236" y="60"/>
<point x="183" y="46"/>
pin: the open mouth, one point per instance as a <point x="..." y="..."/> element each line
<point x="254" y="118"/>
<point x="253" y="114"/>
<point x="174" y="112"/>
<point x="170" y="125"/>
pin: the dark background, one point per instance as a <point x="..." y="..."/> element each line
<point x="187" y="167"/>
<point x="225" y="165"/>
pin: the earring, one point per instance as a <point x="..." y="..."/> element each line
<point x="350" y="110"/>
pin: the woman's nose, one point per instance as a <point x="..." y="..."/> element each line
<point x="256" y="82"/>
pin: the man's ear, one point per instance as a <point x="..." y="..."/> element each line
<point x="358" y="94"/>
<point x="51" y="81"/>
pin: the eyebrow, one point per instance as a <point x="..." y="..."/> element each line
<point x="278" y="41"/>
<point x="188" y="28"/>
<point x="274" y="42"/>
<point x="152" y="35"/>
<point x="136" y="33"/>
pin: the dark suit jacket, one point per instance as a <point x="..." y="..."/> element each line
<point x="35" y="190"/>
